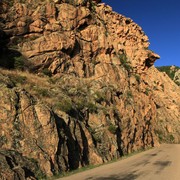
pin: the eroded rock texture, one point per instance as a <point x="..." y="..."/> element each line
<point x="100" y="102"/>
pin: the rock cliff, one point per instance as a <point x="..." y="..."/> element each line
<point x="86" y="91"/>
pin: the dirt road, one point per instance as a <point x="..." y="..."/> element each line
<point x="161" y="163"/>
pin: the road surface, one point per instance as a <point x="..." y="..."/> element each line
<point x="162" y="163"/>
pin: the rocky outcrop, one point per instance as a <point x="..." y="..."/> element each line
<point x="24" y="123"/>
<point x="71" y="122"/>
<point x="51" y="37"/>
<point x="167" y="99"/>
<point x="177" y="77"/>
<point x="102" y="100"/>
<point x="15" y="166"/>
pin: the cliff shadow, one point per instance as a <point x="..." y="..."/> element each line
<point x="69" y="150"/>
<point x="10" y="57"/>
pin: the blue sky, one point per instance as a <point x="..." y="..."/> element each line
<point x="160" y="20"/>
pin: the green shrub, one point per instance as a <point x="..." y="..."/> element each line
<point x="9" y="2"/>
<point x="80" y="103"/>
<point x="147" y="91"/>
<point x="42" y="92"/>
<point x="47" y="72"/>
<point x="97" y="137"/>
<point x="83" y="102"/>
<point x="12" y="59"/>
<point x="124" y="61"/>
<point x="100" y="96"/>
<point x="160" y="134"/>
<point x="129" y="94"/>
<point x="171" y="138"/>
<point x="17" y="79"/>
<point x="92" y="6"/>
<point x="3" y="140"/>
<point x="92" y="107"/>
<point x="37" y="170"/>
<point x="138" y="78"/>
<point x="19" y="62"/>
<point x="123" y="58"/>
<point x="64" y="105"/>
<point x="112" y="128"/>
<point x="91" y="130"/>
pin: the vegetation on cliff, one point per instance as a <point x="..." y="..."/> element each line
<point x="171" y="71"/>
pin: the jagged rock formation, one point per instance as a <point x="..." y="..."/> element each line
<point x="77" y="42"/>
<point x="104" y="99"/>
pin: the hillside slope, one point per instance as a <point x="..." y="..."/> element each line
<point x="85" y="92"/>
<point x="172" y="71"/>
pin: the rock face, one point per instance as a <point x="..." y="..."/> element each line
<point x="104" y="99"/>
<point x="75" y="40"/>
<point x="27" y="127"/>
<point x="177" y="77"/>
<point x="167" y="99"/>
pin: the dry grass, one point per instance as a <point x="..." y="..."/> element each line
<point x="31" y="78"/>
<point x="34" y="84"/>
<point x="64" y="93"/>
<point x="50" y="91"/>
